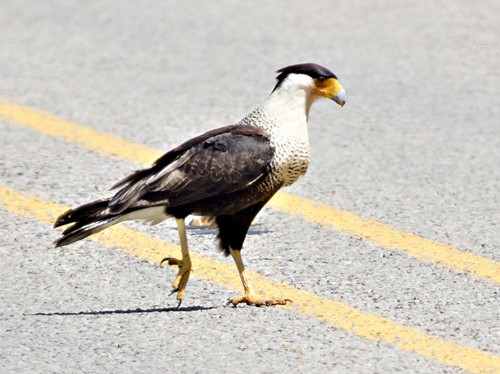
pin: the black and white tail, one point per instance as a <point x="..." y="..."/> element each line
<point x="86" y="220"/>
<point x="96" y="216"/>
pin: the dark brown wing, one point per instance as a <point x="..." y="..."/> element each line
<point x="219" y="162"/>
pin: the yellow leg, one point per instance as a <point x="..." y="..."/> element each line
<point x="249" y="297"/>
<point x="180" y="282"/>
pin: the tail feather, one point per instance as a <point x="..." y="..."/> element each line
<point x="86" y="220"/>
<point x="83" y="214"/>
<point x="94" y="217"/>
<point x="77" y="232"/>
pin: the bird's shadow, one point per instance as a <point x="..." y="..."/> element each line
<point x="124" y="311"/>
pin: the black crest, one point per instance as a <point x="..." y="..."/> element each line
<point x="315" y="71"/>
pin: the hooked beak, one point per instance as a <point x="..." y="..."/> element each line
<point x="339" y="97"/>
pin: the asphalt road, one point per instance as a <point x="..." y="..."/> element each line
<point x="417" y="147"/>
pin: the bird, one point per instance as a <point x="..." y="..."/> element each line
<point x="228" y="173"/>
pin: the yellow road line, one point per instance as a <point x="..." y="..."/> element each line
<point x="387" y="237"/>
<point x="341" y="315"/>
<point x="48" y="124"/>
<point x="375" y="232"/>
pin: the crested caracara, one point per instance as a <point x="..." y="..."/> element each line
<point x="228" y="173"/>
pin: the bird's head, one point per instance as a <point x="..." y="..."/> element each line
<point x="316" y="80"/>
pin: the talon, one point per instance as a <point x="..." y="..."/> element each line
<point x="251" y="300"/>
<point x="179" y="305"/>
<point x="171" y="261"/>
<point x="182" y="277"/>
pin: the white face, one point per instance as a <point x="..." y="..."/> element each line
<point x="329" y="87"/>
<point x="293" y="98"/>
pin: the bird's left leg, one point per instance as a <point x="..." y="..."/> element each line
<point x="181" y="280"/>
<point x="249" y="298"/>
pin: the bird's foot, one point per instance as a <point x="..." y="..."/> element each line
<point x="204" y="221"/>
<point x="252" y="300"/>
<point x="181" y="279"/>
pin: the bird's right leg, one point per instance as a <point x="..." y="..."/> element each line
<point x="180" y="282"/>
<point x="249" y="297"/>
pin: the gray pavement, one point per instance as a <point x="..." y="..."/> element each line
<point x="416" y="147"/>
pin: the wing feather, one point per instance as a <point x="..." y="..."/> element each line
<point x="215" y="163"/>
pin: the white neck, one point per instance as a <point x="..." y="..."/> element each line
<point x="292" y="101"/>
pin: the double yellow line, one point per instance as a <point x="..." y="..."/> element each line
<point x="375" y="232"/>
<point x="341" y="315"/>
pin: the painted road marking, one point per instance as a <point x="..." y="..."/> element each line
<point x="340" y="315"/>
<point x="387" y="237"/>
<point x="344" y="222"/>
